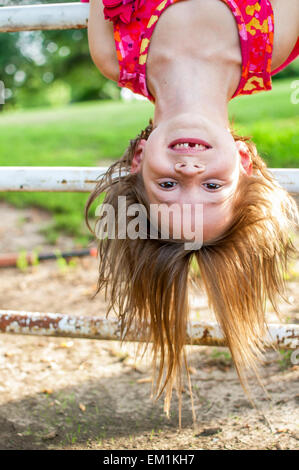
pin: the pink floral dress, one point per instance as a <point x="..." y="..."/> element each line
<point x="135" y="21"/>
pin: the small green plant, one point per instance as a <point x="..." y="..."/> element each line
<point x="50" y="233"/>
<point x="292" y="274"/>
<point x="22" y="262"/>
<point x="21" y="220"/>
<point x="102" y="435"/>
<point x="284" y="360"/>
<point x="34" y="257"/>
<point x="194" y="267"/>
<point x="222" y="356"/>
<point x="73" y="262"/>
<point x="63" y="264"/>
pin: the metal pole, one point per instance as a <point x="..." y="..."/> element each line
<point x="59" y="325"/>
<point x="39" y="17"/>
<point x="83" y="179"/>
<point x="60" y="179"/>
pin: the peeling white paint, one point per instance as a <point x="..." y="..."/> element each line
<point x="83" y="179"/>
<point x="286" y="336"/>
<point x="45" y="16"/>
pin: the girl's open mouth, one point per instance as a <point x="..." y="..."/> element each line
<point x="189" y="145"/>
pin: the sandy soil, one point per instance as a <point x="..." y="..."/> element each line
<point x="62" y="393"/>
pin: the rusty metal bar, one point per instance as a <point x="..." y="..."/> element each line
<point x="44" y="17"/>
<point x="59" y="325"/>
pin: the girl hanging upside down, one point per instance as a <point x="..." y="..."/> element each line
<point x="190" y="60"/>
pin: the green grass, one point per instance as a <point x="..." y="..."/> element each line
<point x="284" y="359"/>
<point x="87" y="134"/>
<point x="273" y="122"/>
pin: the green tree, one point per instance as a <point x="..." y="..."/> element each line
<point x="49" y="67"/>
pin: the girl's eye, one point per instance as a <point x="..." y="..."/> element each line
<point x="167" y="184"/>
<point x="213" y="185"/>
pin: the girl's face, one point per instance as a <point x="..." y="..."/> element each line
<point x="204" y="174"/>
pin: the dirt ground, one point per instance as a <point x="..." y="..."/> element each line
<point x="62" y="393"/>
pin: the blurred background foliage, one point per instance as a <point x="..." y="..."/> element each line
<point x="48" y="68"/>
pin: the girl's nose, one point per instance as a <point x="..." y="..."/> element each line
<point x="189" y="168"/>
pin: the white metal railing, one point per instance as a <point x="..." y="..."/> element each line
<point x="55" y="324"/>
<point x="83" y="179"/>
<point x="36" y="17"/>
<point x="25" y="178"/>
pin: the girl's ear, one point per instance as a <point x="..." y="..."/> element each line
<point x="245" y="157"/>
<point x="138" y="156"/>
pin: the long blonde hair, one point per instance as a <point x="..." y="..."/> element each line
<point x="146" y="280"/>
